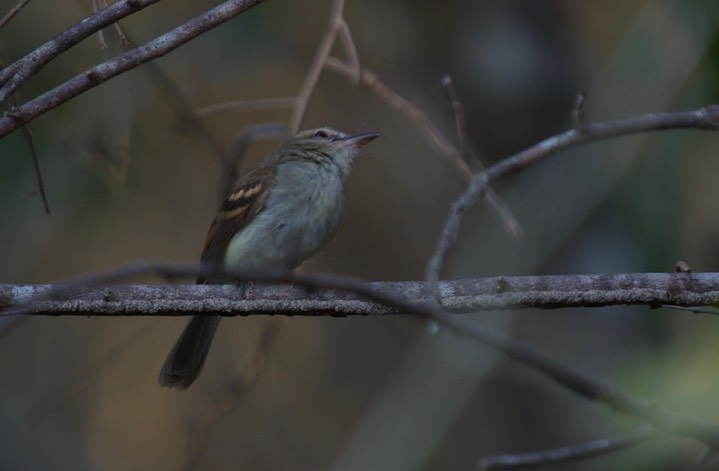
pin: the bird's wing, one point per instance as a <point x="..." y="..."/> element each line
<point x="239" y="208"/>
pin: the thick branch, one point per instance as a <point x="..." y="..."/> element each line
<point x="651" y="289"/>
<point x="669" y="286"/>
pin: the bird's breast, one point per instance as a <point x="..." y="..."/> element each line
<point x="300" y="216"/>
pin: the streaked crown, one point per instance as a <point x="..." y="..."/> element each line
<point x="325" y="146"/>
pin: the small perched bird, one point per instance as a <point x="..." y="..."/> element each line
<point x="277" y="216"/>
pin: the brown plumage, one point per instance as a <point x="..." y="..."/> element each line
<point x="277" y="215"/>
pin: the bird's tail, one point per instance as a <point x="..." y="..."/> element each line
<point x="187" y="357"/>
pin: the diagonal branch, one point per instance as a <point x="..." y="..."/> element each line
<point x="17" y="73"/>
<point x="570" y="452"/>
<point x="13" y="11"/>
<point x="336" y="25"/>
<point x="129" y="60"/>
<point x="436" y="137"/>
<point x="706" y="118"/>
<point x="493" y="200"/>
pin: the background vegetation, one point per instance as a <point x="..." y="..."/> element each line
<point x="129" y="176"/>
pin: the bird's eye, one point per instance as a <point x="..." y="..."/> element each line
<point x="321" y="134"/>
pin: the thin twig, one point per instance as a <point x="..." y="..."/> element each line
<point x="243" y="105"/>
<point x="13" y="11"/>
<point x="492" y="198"/>
<point x="693" y="310"/>
<point x="435" y="136"/>
<point x="36" y="166"/>
<point x="124" y="41"/>
<point x="120" y="34"/>
<point x="350" y="49"/>
<point x="116" y="26"/>
<point x="129" y="60"/>
<point x="569" y="453"/>
<point x="370" y="80"/>
<point x="578" y="113"/>
<point x="35" y="162"/>
<point x="16" y="74"/>
<point x="460" y="120"/>
<point x="100" y="34"/>
<point x="318" y="62"/>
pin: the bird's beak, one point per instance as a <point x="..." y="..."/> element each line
<point x="358" y="140"/>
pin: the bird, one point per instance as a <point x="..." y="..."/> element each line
<point x="276" y="216"/>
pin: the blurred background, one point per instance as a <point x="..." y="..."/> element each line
<point x="131" y="176"/>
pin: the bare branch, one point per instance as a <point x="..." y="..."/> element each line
<point x="350" y="49"/>
<point x="578" y="113"/>
<point x="336" y="23"/>
<point x="585" y="386"/>
<point x="370" y="80"/>
<point x="36" y="164"/>
<point x="432" y="132"/>
<point x="493" y="200"/>
<point x="664" y="420"/>
<point x="100" y="34"/>
<point x="706" y="118"/>
<point x="460" y="120"/>
<point x="13" y="11"/>
<point x="342" y="296"/>
<point x="14" y="75"/>
<point x="131" y="59"/>
<point x="569" y="453"/>
<point x="243" y="105"/>
<point x="118" y="30"/>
